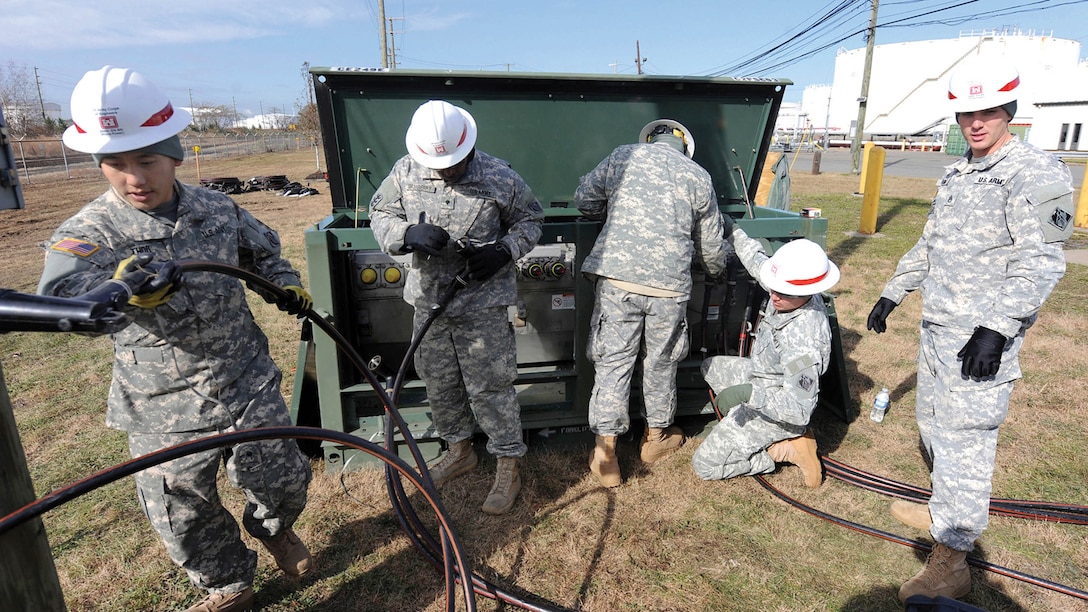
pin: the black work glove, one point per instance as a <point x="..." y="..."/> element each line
<point x="727" y="226"/>
<point x="152" y="284"/>
<point x="486" y="260"/>
<point x="297" y="302"/>
<point x="880" y="311"/>
<point x="425" y="237"/>
<point x="982" y="354"/>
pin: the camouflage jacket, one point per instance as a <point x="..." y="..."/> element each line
<point x="204" y="338"/>
<point x="790" y="352"/>
<point x="659" y="210"/>
<point x="490" y="203"/>
<point x="991" y="250"/>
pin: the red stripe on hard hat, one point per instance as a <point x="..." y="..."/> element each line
<point x="464" y="134"/>
<point x="79" y="130"/>
<point x="808" y="281"/>
<point x="1011" y="85"/>
<point x="160" y="117"/>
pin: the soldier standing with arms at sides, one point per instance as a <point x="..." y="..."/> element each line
<point x="989" y="256"/>
<point x="468" y="358"/>
<point x="193" y="362"/>
<point x="660" y="214"/>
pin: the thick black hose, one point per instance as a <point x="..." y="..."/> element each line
<point x="409" y="521"/>
<point x="891" y="537"/>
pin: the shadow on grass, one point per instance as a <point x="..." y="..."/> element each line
<point x="371" y="565"/>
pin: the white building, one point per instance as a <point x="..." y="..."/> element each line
<point x="908" y="87"/>
<point x="267" y="121"/>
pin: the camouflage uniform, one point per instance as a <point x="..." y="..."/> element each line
<point x="659" y="211"/>
<point x="468" y="358"/>
<point x="791" y="351"/>
<point x="195" y="366"/>
<point x="989" y="255"/>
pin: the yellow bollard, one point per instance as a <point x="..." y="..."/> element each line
<point x="865" y="164"/>
<point x="870" y="204"/>
<point x="1080" y="218"/>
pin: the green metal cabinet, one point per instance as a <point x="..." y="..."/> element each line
<point x="552" y="129"/>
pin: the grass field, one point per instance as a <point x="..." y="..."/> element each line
<point x="663" y="541"/>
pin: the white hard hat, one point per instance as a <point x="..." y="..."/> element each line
<point x="440" y="135"/>
<point x="116" y="110"/>
<point x="799" y="267"/>
<point x="651" y="129"/>
<point x="980" y="83"/>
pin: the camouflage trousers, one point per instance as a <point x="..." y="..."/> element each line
<point x="958" y="420"/>
<point x="468" y="364"/>
<point x="181" y="499"/>
<point x="737" y="445"/>
<point x="623" y="326"/>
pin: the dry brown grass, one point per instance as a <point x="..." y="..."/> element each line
<point x="662" y="541"/>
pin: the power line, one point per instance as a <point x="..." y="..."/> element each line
<point x="825" y="30"/>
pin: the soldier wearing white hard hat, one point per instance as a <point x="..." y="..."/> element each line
<point x="462" y="212"/>
<point x="659" y="215"/>
<point x="192" y="361"/>
<point x="989" y="256"/>
<point x="767" y="397"/>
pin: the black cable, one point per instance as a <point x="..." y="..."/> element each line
<point x="417" y="533"/>
<point x="891" y="537"/>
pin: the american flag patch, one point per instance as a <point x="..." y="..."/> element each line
<point x="75" y="247"/>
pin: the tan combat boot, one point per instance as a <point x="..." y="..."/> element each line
<point x="912" y="514"/>
<point x="800" y="451"/>
<point x="946" y="574"/>
<point x="290" y="553"/>
<point x="603" y="462"/>
<point x="505" y="490"/>
<point x="225" y="602"/>
<point x="659" y="443"/>
<point x="459" y="459"/>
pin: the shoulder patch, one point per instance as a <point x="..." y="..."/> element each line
<point x="80" y="248"/>
<point x="1054" y="207"/>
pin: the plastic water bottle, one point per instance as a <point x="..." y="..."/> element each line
<point x="880" y="406"/>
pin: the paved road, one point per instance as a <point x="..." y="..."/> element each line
<point x="896" y="163"/>
<point x="914" y="164"/>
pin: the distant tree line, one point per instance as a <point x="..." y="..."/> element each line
<point x="26" y="116"/>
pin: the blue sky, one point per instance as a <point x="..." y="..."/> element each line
<point x="249" y="53"/>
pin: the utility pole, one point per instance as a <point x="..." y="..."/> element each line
<point x="863" y="99"/>
<point x="381" y="22"/>
<point x="41" y="103"/>
<point x="392" y="44"/>
<point x="638" y="58"/>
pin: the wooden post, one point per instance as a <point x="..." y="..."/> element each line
<point x="28" y="577"/>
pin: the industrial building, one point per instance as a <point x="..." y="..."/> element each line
<point x="907" y="91"/>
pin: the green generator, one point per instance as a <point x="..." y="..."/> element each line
<point x="552" y="129"/>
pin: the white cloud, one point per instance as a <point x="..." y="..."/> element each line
<point x="91" y="24"/>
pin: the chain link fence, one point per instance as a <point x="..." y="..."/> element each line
<point x="35" y="157"/>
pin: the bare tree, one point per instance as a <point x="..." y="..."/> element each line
<point x="208" y="117"/>
<point x="307" y="114"/>
<point x="20" y="101"/>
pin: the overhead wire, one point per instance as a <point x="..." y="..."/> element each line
<point x="812" y="38"/>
